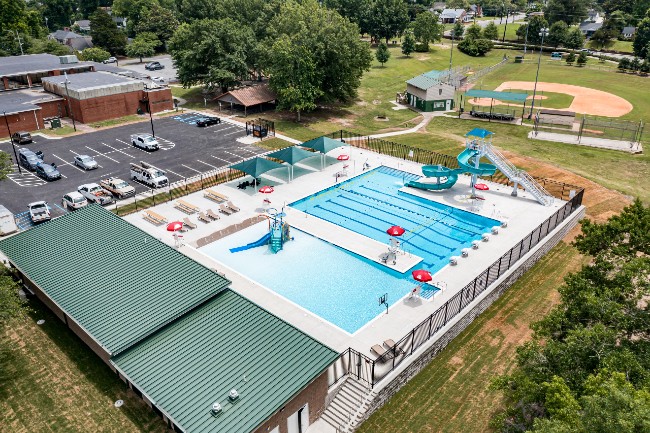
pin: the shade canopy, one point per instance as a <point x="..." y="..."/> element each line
<point x="502" y="96"/>
<point x="174" y="226"/>
<point x="395" y="231"/>
<point x="256" y="166"/>
<point x="323" y="144"/>
<point x="266" y="189"/>
<point x="479" y="132"/>
<point x="292" y="154"/>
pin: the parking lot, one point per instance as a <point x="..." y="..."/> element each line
<point x="185" y="151"/>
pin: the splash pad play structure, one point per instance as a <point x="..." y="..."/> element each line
<point x="278" y="234"/>
<point x="478" y="144"/>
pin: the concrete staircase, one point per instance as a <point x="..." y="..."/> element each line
<point x="348" y="405"/>
<point x="518" y="176"/>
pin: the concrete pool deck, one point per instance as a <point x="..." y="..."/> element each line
<point x="523" y="214"/>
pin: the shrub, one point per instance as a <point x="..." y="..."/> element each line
<point x="624" y="64"/>
<point x="571" y="58"/>
<point x="475" y="47"/>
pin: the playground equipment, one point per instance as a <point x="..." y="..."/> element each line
<point x="279" y="233"/>
<point x="478" y="144"/>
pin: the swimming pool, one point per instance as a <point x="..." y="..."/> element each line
<point x="332" y="283"/>
<point x="369" y="204"/>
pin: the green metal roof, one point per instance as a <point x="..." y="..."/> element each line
<point x="423" y="82"/>
<point x="228" y="343"/>
<point x="322" y="144"/>
<point x="435" y="74"/>
<point x="256" y="166"/>
<point x="493" y="94"/>
<point x="292" y="154"/>
<point x="113" y="279"/>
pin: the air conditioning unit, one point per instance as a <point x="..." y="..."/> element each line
<point x="66" y="60"/>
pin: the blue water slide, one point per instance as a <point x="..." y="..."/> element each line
<point x="264" y="240"/>
<point x="467" y="164"/>
<point x="435" y="173"/>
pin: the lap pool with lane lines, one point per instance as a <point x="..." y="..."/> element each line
<point x="338" y="285"/>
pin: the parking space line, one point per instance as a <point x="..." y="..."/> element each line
<point x="190" y="168"/>
<point x="234" y="154"/>
<point x="59" y="207"/>
<point x="209" y="165"/>
<point x="231" y="133"/>
<point x="67" y="163"/>
<point x="130" y="146"/>
<point x="102" y="154"/>
<point x="221" y="159"/>
<point x="117" y="150"/>
<point x="250" y="151"/>
<point x="77" y="154"/>
<point x="174" y="173"/>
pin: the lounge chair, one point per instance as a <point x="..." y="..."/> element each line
<point x="226" y="210"/>
<point x="203" y="217"/>
<point x="390" y="345"/>
<point x="212" y="215"/>
<point x="378" y="350"/>
<point x="232" y="206"/>
<point x="190" y="224"/>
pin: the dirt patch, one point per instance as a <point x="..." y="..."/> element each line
<point x="537" y="97"/>
<point x="585" y="99"/>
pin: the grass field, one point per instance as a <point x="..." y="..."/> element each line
<point x="620" y="46"/>
<point x="52" y="382"/>
<point x="451" y="394"/>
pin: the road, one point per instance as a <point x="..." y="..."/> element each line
<point x="169" y="73"/>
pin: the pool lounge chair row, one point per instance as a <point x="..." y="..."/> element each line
<point x="386" y="353"/>
<point x="227" y="208"/>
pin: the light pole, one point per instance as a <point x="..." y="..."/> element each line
<point x="47" y="26"/>
<point x="149" y="110"/>
<point x="11" y="141"/>
<point x="506" y="27"/>
<point x="19" y="42"/>
<point x="451" y="52"/>
<point x="542" y="32"/>
<point x="526" y="39"/>
<point x="67" y="94"/>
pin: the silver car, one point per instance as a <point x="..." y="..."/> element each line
<point x="85" y="161"/>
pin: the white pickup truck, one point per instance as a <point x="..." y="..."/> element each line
<point x="95" y="194"/>
<point x="148" y="175"/>
<point x="39" y="212"/>
<point x="144" y="141"/>
<point x="117" y="187"/>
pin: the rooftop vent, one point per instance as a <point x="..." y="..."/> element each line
<point x="216" y="407"/>
<point x="233" y="395"/>
<point x="66" y="60"/>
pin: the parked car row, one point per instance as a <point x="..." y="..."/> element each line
<point x="33" y="161"/>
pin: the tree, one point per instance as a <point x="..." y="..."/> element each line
<point x="582" y="58"/>
<point x="458" y="30"/>
<point x="59" y="13"/>
<point x="575" y="39"/>
<point x="94" y="54"/>
<point x="215" y="53"/>
<point x="389" y="18"/>
<point x="571" y="58"/>
<point x="535" y="25"/>
<point x="332" y="42"/>
<point x="6" y="165"/>
<point x="473" y="32"/>
<point x="357" y="11"/>
<point x="491" y="31"/>
<point x="49" y="46"/>
<point x="642" y="39"/>
<point x="558" y="34"/>
<point x="132" y="10"/>
<point x="105" y="33"/>
<point x="144" y="45"/>
<point x="602" y="38"/>
<point x="159" y="21"/>
<point x="624" y="64"/>
<point x="475" y="47"/>
<point x="645" y="67"/>
<point x="382" y="54"/>
<point x="569" y="11"/>
<point x="408" y="44"/>
<point x="635" y="64"/>
<point x="426" y="28"/>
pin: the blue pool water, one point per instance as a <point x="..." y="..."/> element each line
<point x="340" y="286"/>
<point x="369" y="204"/>
<point x="332" y="283"/>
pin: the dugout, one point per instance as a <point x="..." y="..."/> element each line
<point x="495" y="111"/>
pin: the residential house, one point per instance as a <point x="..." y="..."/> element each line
<point x="83" y="25"/>
<point x="595" y="16"/>
<point x="588" y="28"/>
<point x="475" y="11"/>
<point x="73" y="40"/>
<point x="628" y="32"/>
<point x="450" y="16"/>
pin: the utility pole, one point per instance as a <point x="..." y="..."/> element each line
<point x="526" y="39"/>
<point x="149" y="110"/>
<point x="543" y="32"/>
<point x="20" y="44"/>
<point x="506" y="27"/>
<point x="67" y="94"/>
<point x="451" y="52"/>
<point x="11" y="142"/>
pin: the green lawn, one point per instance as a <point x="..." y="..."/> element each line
<point x="620" y="46"/>
<point x="452" y="393"/>
<point x="50" y="381"/>
<point x="193" y="96"/>
<point x="511" y="32"/>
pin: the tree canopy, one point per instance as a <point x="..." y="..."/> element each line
<point x="642" y="39"/>
<point x="586" y="368"/>
<point x="388" y="18"/>
<point x="159" y="21"/>
<point x="105" y="33"/>
<point x="144" y="45"/>
<point x="426" y="28"/>
<point x="569" y="11"/>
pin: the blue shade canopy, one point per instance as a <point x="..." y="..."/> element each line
<point x="479" y="132"/>
<point x="292" y="154"/>
<point x="323" y="144"/>
<point x="502" y="96"/>
<point x="256" y="166"/>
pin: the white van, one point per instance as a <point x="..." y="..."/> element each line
<point x="7" y="222"/>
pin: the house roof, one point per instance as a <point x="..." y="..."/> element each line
<point x="228" y="343"/>
<point x="452" y="13"/>
<point x="63" y="35"/>
<point x="629" y="30"/>
<point x="81" y="44"/>
<point x="83" y="23"/>
<point x="248" y="96"/>
<point x="424" y="81"/>
<point x="114" y="280"/>
<point x="589" y="26"/>
<point x="19" y="101"/>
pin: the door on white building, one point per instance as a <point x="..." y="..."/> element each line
<point x="448" y="105"/>
<point x="299" y="421"/>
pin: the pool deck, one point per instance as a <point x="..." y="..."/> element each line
<point x="523" y="214"/>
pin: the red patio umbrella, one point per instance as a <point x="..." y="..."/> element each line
<point x="343" y="157"/>
<point x="481" y="187"/>
<point x="395" y="231"/>
<point x="421" y="275"/>
<point x="267" y="189"/>
<point x="174" y="226"/>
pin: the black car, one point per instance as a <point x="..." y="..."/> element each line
<point x="29" y="159"/>
<point x="47" y="171"/>
<point x="154" y="66"/>
<point x="21" y="137"/>
<point x="207" y="121"/>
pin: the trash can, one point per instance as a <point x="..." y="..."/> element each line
<point x="519" y="59"/>
<point x="55" y="123"/>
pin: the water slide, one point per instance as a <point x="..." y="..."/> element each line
<point x="264" y="240"/>
<point x="467" y="166"/>
<point x="437" y="178"/>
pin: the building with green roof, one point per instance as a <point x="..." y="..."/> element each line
<point x="170" y="327"/>
<point x="431" y="91"/>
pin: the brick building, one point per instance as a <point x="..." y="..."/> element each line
<point x="27" y="109"/>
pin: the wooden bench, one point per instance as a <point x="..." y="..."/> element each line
<point x="186" y="207"/>
<point x="153" y="217"/>
<point x="215" y="196"/>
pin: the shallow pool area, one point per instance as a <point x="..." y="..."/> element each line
<point x="332" y="283"/>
